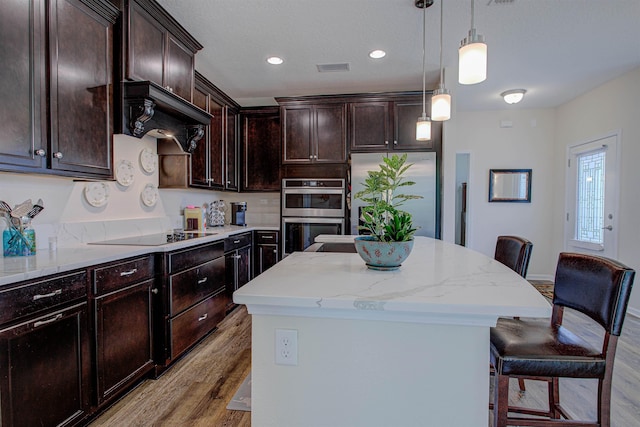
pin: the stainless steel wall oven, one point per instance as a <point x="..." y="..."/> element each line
<point x="311" y="207"/>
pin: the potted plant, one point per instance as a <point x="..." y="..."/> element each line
<point x="390" y="230"/>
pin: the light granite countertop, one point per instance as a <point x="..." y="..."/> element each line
<point x="439" y="283"/>
<point x="45" y="263"/>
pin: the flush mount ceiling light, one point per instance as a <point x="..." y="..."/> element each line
<point x="441" y="100"/>
<point x="513" y="96"/>
<point x="472" y="56"/>
<point x="275" y="60"/>
<point x="423" y="126"/>
<point x="377" y="54"/>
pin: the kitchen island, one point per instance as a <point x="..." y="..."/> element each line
<point x="381" y="348"/>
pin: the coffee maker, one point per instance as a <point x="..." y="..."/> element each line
<point x="238" y="211"/>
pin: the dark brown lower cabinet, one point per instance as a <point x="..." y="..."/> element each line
<point x="267" y="254"/>
<point x="237" y="254"/>
<point x="45" y="364"/>
<point x="123" y="338"/>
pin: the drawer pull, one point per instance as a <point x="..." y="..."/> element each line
<point x="203" y="280"/>
<point x="201" y="318"/>
<point x="238" y="256"/>
<point x="128" y="273"/>
<point x="44" y="322"/>
<point x="267" y="237"/>
<point x="52" y="294"/>
<point x="154" y="291"/>
<point x="236" y="242"/>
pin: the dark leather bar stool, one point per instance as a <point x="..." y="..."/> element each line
<point x="528" y="348"/>
<point x="514" y="252"/>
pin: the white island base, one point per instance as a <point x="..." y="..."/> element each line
<point x="370" y="373"/>
<point x="402" y="348"/>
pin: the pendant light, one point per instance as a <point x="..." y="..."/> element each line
<point x="472" y="55"/>
<point x="423" y="126"/>
<point x="441" y="100"/>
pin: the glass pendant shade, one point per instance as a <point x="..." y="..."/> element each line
<point x="440" y="105"/>
<point x="423" y="129"/>
<point x="472" y="55"/>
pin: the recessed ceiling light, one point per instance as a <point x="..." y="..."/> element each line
<point x="377" y="54"/>
<point x="275" y="60"/>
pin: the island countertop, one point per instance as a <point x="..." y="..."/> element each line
<point x="439" y="283"/>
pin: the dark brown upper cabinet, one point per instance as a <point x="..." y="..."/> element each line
<point x="158" y="48"/>
<point x="261" y="149"/>
<point x="214" y="163"/>
<point x="70" y="135"/>
<point x="388" y="125"/>
<point x="313" y="132"/>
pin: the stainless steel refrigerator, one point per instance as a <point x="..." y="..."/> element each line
<point x="423" y="172"/>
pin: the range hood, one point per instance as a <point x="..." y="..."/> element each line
<point x="148" y="108"/>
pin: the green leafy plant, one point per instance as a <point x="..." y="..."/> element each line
<point x="381" y="217"/>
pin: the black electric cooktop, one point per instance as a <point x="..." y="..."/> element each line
<point x="154" y="239"/>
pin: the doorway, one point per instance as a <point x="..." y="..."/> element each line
<point x="462" y="186"/>
<point x="592" y="197"/>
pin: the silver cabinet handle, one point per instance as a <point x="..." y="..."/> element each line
<point x="57" y="155"/>
<point x="386" y="143"/>
<point x="40" y="152"/>
<point x="201" y="318"/>
<point x="128" y="273"/>
<point x="608" y="227"/>
<point x="228" y="182"/>
<point x="275" y="251"/>
<point x="52" y="294"/>
<point x="237" y="256"/>
<point x="154" y="291"/>
<point x="311" y="157"/>
<point x="395" y="142"/>
<point x="203" y="280"/>
<point x="236" y="242"/>
<point x="44" y="322"/>
<point x="267" y="237"/>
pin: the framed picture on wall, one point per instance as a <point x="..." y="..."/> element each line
<point x="510" y="185"/>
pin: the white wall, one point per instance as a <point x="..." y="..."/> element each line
<point x="613" y="107"/>
<point x="528" y="144"/>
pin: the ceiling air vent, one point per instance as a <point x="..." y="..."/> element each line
<point x="326" y="68"/>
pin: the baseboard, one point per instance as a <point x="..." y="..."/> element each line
<point x="549" y="277"/>
<point x="633" y="311"/>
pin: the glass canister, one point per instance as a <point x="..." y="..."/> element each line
<point x="15" y="243"/>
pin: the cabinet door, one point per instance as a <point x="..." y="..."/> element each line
<point x="199" y="157"/>
<point x="296" y="142"/>
<point x="330" y="133"/>
<point x="123" y="338"/>
<point x="261" y="152"/>
<point x="147" y="41"/>
<point x="179" y="69"/>
<point x="369" y="126"/>
<point x="45" y="370"/>
<point x="22" y="85"/>
<point x="267" y="257"/>
<point x="81" y="103"/>
<point x="405" y="116"/>
<point x="216" y="146"/>
<point x="243" y="266"/>
<point x="231" y="150"/>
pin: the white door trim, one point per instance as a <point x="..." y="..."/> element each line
<point x="614" y="193"/>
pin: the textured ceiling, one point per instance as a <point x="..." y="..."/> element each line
<point x="555" y="49"/>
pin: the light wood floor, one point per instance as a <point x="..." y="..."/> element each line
<point x="196" y="390"/>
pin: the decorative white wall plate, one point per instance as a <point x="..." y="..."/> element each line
<point x="124" y="173"/>
<point x="148" y="160"/>
<point x="96" y="193"/>
<point x="149" y="195"/>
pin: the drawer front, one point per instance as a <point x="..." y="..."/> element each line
<point x="191" y="286"/>
<point x="195" y="323"/>
<point x="237" y="241"/>
<point x="188" y="258"/>
<point x="116" y="276"/>
<point x="266" y="237"/>
<point x="33" y="297"/>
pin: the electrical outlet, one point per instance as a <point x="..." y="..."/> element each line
<point x="286" y="347"/>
